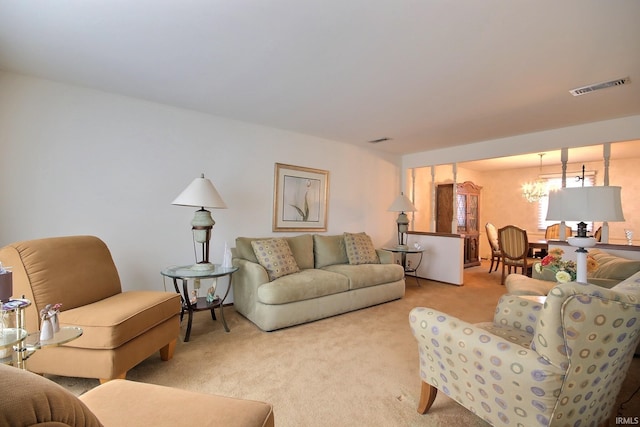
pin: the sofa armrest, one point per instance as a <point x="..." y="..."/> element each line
<point x="246" y="281"/>
<point x="385" y="257"/>
<point x="518" y="312"/>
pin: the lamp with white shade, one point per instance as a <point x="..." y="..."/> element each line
<point x="585" y="204"/>
<point x="402" y="204"/>
<point x="201" y="193"/>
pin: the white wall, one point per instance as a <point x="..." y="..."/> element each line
<point x="79" y="161"/>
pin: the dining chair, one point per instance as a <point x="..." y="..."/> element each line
<point x="598" y="234"/>
<point x="514" y="247"/>
<point x="553" y="232"/>
<point x="492" y="236"/>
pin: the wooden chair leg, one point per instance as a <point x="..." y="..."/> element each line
<point x="122" y="376"/>
<point x="427" y="397"/>
<point x="166" y="352"/>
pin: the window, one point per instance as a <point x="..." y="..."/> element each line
<point x="554" y="182"/>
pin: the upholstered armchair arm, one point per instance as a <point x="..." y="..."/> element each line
<point x="462" y="360"/>
<point x="246" y="282"/>
<point x="518" y="312"/>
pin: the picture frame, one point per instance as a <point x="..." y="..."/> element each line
<point x="301" y="198"/>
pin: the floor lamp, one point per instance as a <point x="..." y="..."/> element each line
<point x="584" y="204"/>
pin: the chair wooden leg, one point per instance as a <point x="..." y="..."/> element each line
<point x="122" y="376"/>
<point x="427" y="397"/>
<point x="502" y="279"/>
<point x="166" y="352"/>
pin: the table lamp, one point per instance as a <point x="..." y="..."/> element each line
<point x="402" y="204"/>
<point x="201" y="193"/>
<point x="584" y="204"/>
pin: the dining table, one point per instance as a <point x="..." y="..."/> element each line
<point x="538" y="248"/>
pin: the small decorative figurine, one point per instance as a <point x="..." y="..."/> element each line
<point x="194" y="297"/>
<point x="49" y="324"/>
<point x="211" y="294"/>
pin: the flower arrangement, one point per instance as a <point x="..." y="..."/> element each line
<point x="564" y="271"/>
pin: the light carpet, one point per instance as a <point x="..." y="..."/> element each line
<point x="355" y="369"/>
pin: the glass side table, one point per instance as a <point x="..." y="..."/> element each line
<point x="185" y="273"/>
<point x="24" y="349"/>
<point x="408" y="268"/>
<point x="23" y="343"/>
<point x="12" y="328"/>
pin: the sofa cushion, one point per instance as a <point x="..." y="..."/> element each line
<point x="360" y="249"/>
<point x="111" y="322"/>
<point x="301" y="247"/>
<point x="304" y="285"/>
<point x="612" y="267"/>
<point x="29" y="400"/>
<point x="365" y="275"/>
<point x="275" y="256"/>
<point x="329" y="250"/>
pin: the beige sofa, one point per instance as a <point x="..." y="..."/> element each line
<point x="611" y="271"/>
<point x="31" y="400"/>
<point x="120" y="329"/>
<point x="326" y="284"/>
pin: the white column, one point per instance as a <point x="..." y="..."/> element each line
<point x="564" y="157"/>
<point x="606" y="153"/>
<point x="433" y="199"/>
<point x="454" y="219"/>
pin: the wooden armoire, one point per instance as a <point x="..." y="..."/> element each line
<point x="467" y="216"/>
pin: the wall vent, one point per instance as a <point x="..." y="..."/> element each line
<point x="592" y="88"/>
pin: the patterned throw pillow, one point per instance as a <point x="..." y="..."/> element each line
<point x="360" y="249"/>
<point x="275" y="256"/>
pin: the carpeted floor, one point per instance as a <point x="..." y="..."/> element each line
<point x="356" y="369"/>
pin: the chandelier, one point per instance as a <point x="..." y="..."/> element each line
<point x="535" y="190"/>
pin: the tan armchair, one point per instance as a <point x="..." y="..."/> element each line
<point x="31" y="400"/>
<point x="120" y="329"/>
<point x="561" y="363"/>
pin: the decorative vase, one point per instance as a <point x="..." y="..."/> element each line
<point x="46" y="330"/>
<point x="54" y="323"/>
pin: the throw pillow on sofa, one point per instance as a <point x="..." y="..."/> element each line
<point x="360" y="249"/>
<point x="275" y="256"/>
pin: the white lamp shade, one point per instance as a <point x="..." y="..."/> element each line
<point x="585" y="204"/>
<point x="202" y="193"/>
<point x="402" y="204"/>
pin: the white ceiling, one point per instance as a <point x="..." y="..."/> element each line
<point x="428" y="74"/>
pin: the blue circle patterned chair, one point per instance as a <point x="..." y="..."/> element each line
<point x="557" y="363"/>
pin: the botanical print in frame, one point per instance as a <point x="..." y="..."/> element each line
<point x="300" y="198"/>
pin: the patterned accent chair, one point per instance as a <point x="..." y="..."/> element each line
<point x="557" y="363"/>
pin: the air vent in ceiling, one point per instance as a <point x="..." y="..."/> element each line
<point x="375" y="141"/>
<point x="592" y="88"/>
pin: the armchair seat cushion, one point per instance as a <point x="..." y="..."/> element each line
<point x="114" y="321"/>
<point x="509" y="333"/>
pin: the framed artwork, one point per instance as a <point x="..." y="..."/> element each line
<point x="300" y="198"/>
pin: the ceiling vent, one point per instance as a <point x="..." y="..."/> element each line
<point x="376" y="141"/>
<point x="592" y="88"/>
